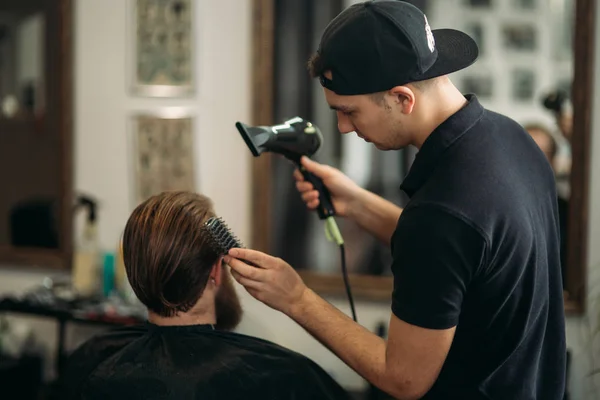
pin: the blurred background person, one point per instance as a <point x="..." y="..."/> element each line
<point x="558" y="103"/>
<point x="548" y="144"/>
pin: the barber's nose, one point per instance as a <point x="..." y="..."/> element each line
<point x="344" y="124"/>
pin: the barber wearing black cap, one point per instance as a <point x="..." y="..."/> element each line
<point x="477" y="307"/>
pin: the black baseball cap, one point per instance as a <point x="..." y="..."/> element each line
<point x="376" y="45"/>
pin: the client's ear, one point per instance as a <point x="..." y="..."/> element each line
<point x="215" y="272"/>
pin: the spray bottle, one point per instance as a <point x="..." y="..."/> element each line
<point x="86" y="262"/>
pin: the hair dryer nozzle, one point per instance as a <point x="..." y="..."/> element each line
<point x="247" y="136"/>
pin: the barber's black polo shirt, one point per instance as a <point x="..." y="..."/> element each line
<point x="477" y="247"/>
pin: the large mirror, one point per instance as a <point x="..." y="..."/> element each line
<point x="35" y="133"/>
<point x="535" y="66"/>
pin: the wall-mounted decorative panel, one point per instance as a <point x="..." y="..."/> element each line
<point x="163" y="157"/>
<point x="162" y="49"/>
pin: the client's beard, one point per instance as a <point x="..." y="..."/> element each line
<point x="227" y="303"/>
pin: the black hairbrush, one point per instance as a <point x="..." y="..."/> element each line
<point x="221" y="237"/>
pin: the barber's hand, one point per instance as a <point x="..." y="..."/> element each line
<point x="342" y="189"/>
<point x="271" y="280"/>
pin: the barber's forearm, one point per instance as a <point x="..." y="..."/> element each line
<point x="361" y="350"/>
<point x="375" y="214"/>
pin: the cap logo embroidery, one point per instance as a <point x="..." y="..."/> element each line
<point x="430" y="38"/>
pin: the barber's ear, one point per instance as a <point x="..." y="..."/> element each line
<point x="404" y="97"/>
<point x="215" y="272"/>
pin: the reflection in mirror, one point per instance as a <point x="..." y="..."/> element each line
<point x="29" y="147"/>
<point x="524" y="71"/>
<point x="21" y="64"/>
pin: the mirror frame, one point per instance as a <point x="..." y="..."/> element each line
<point x="60" y="73"/>
<point x="582" y="97"/>
<point x="376" y="288"/>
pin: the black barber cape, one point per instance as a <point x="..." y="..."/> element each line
<point x="191" y="362"/>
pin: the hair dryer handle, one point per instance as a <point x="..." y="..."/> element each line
<point x="325" y="208"/>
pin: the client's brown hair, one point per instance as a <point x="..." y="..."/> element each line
<point x="166" y="253"/>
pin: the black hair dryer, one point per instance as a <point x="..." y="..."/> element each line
<point x="293" y="139"/>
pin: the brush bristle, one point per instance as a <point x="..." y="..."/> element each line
<point x="221" y="237"/>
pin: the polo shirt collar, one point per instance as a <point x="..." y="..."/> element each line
<point x="438" y="141"/>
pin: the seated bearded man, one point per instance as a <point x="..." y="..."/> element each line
<point x="186" y="349"/>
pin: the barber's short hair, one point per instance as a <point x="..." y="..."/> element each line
<point x="316" y="65"/>
<point x="167" y="255"/>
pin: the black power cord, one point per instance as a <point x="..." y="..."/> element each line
<point x="333" y="233"/>
<point x="346" y="282"/>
